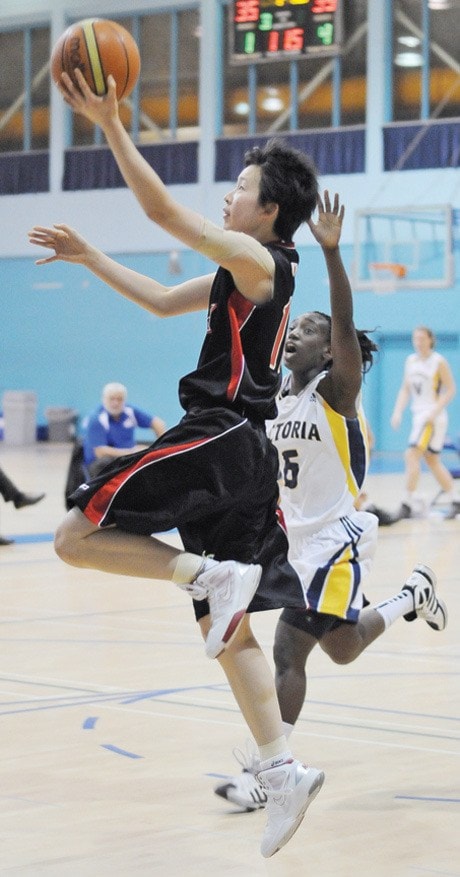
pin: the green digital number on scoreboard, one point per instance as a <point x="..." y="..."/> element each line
<point x="267" y="30"/>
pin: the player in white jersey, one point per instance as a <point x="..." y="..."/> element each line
<point x="429" y="385"/>
<point x="320" y="435"/>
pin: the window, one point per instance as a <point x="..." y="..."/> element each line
<point x="24" y="89"/>
<point x="432" y="90"/>
<point x="165" y="105"/>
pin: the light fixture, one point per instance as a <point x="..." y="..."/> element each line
<point x="271" y="100"/>
<point x="241" y="108"/>
<point x="408" y="59"/>
<point x="440" y="4"/>
<point x="272" y="104"/>
<point x="409" y="41"/>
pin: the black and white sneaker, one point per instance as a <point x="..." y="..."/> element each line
<point x="453" y="512"/>
<point x="422" y="584"/>
<point x="244" y="790"/>
<point x="385" y="519"/>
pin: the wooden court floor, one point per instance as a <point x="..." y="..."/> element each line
<point x="115" y="727"/>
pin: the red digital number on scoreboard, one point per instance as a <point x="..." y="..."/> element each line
<point x="290" y="40"/>
<point x="293" y="39"/>
<point x="246" y="10"/>
<point x="321" y="6"/>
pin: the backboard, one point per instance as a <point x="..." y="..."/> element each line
<point x="403" y="248"/>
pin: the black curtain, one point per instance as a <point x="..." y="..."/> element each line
<point x="22" y="172"/>
<point x="415" y="146"/>
<point x="95" y="168"/>
<point x="334" y="151"/>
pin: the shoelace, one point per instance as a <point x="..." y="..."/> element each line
<point x="249" y="759"/>
<point x="274" y="794"/>
<point x="195" y="590"/>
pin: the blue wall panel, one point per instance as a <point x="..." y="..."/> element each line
<point x="66" y="334"/>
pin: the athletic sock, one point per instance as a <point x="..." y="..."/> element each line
<point x="288" y="729"/>
<point x="188" y="566"/>
<point x="395" y="607"/>
<point x="274" y="753"/>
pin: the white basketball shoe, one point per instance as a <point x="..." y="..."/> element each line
<point x="290" y="787"/>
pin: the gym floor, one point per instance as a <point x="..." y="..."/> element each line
<point x="115" y="727"/>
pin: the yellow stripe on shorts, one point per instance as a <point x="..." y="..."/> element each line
<point x="337" y="590"/>
<point x="425" y="437"/>
<point x="93" y="55"/>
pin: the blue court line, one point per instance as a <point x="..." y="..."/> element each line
<point x="407" y="732"/>
<point x="426" y="798"/>
<point x="32" y="538"/>
<point x="381" y="709"/>
<point x="89" y="724"/>
<point x="124" y="697"/>
<point x="160" y="695"/>
<point x="119" y="751"/>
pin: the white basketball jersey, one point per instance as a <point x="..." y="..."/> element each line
<point x="323" y="459"/>
<point x="424" y="379"/>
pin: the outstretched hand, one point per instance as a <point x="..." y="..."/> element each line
<point x="68" y="245"/>
<point x="328" y="228"/>
<point x="99" y="110"/>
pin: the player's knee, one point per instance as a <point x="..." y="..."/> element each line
<point x="285" y="658"/>
<point x="66" y="546"/>
<point x="343" y="653"/>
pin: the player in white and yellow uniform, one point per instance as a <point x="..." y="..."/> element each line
<point x="323" y="462"/>
<point x="429" y="385"/>
<point x="320" y="436"/>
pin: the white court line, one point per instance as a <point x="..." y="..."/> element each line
<point x="322" y="736"/>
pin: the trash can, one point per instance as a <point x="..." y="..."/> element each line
<point x="19" y="417"/>
<point x="61" y="424"/>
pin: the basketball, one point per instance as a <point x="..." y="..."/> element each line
<point x="97" y="47"/>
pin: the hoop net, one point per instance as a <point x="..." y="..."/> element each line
<point x="386" y="275"/>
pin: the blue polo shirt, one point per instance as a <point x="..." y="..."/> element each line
<point x="103" y="429"/>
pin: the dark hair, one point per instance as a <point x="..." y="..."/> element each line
<point x="368" y="347"/>
<point x="288" y="179"/>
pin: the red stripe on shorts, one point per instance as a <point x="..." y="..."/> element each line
<point x="98" y="505"/>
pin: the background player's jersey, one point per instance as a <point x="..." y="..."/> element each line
<point x="240" y="361"/>
<point x="424" y="380"/>
<point x="323" y="459"/>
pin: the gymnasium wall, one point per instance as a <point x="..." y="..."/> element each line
<point x="66" y="334"/>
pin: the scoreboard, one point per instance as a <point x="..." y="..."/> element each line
<point x="270" y="30"/>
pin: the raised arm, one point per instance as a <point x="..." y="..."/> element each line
<point x="249" y="262"/>
<point x="164" y="301"/>
<point x="343" y="382"/>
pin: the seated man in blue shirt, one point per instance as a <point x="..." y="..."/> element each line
<point x="110" y="431"/>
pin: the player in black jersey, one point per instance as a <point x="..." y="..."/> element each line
<point x="214" y="475"/>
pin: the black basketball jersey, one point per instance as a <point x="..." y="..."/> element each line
<point x="240" y="360"/>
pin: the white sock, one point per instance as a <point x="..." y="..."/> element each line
<point x="395" y="607"/>
<point x="274" y="753"/>
<point x="188" y="566"/>
<point x="288" y="729"/>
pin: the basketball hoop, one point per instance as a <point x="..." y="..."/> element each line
<point x="386" y="275"/>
